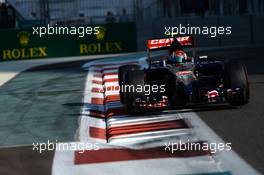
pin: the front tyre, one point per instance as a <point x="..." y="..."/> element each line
<point x="236" y="77"/>
<point x="134" y="78"/>
<point x="122" y="72"/>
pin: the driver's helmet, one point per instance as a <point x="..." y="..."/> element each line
<point x="178" y="57"/>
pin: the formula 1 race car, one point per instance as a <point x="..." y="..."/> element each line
<point x="177" y="80"/>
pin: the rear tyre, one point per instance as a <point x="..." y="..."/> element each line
<point x="236" y="77"/>
<point x="122" y="71"/>
<point x="134" y="78"/>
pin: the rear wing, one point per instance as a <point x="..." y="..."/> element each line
<point x="165" y="43"/>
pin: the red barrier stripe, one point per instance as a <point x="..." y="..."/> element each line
<point x="147" y="127"/>
<point x="97" y="90"/>
<point x="97" y="82"/>
<point x="114" y="155"/>
<point x="100" y="90"/>
<point x="111" y="80"/>
<point x="112" y="98"/>
<point x="101" y="101"/>
<point x="97" y="101"/>
<point x="110" y="74"/>
<point x="112" y="88"/>
<point x="98" y="133"/>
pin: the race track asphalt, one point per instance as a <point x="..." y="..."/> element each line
<point x="41" y="104"/>
<point x="44" y="103"/>
<point x="243" y="126"/>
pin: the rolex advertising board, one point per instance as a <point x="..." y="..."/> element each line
<point x="55" y="41"/>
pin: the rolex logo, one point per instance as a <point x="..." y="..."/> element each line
<point x="101" y="35"/>
<point x="23" y="38"/>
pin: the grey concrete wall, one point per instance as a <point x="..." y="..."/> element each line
<point x="245" y="29"/>
<point x="258" y="29"/>
<point x="204" y="40"/>
<point x="241" y="30"/>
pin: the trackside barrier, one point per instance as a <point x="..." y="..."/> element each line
<point x="22" y="44"/>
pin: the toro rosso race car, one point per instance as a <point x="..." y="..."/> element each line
<point x="178" y="80"/>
